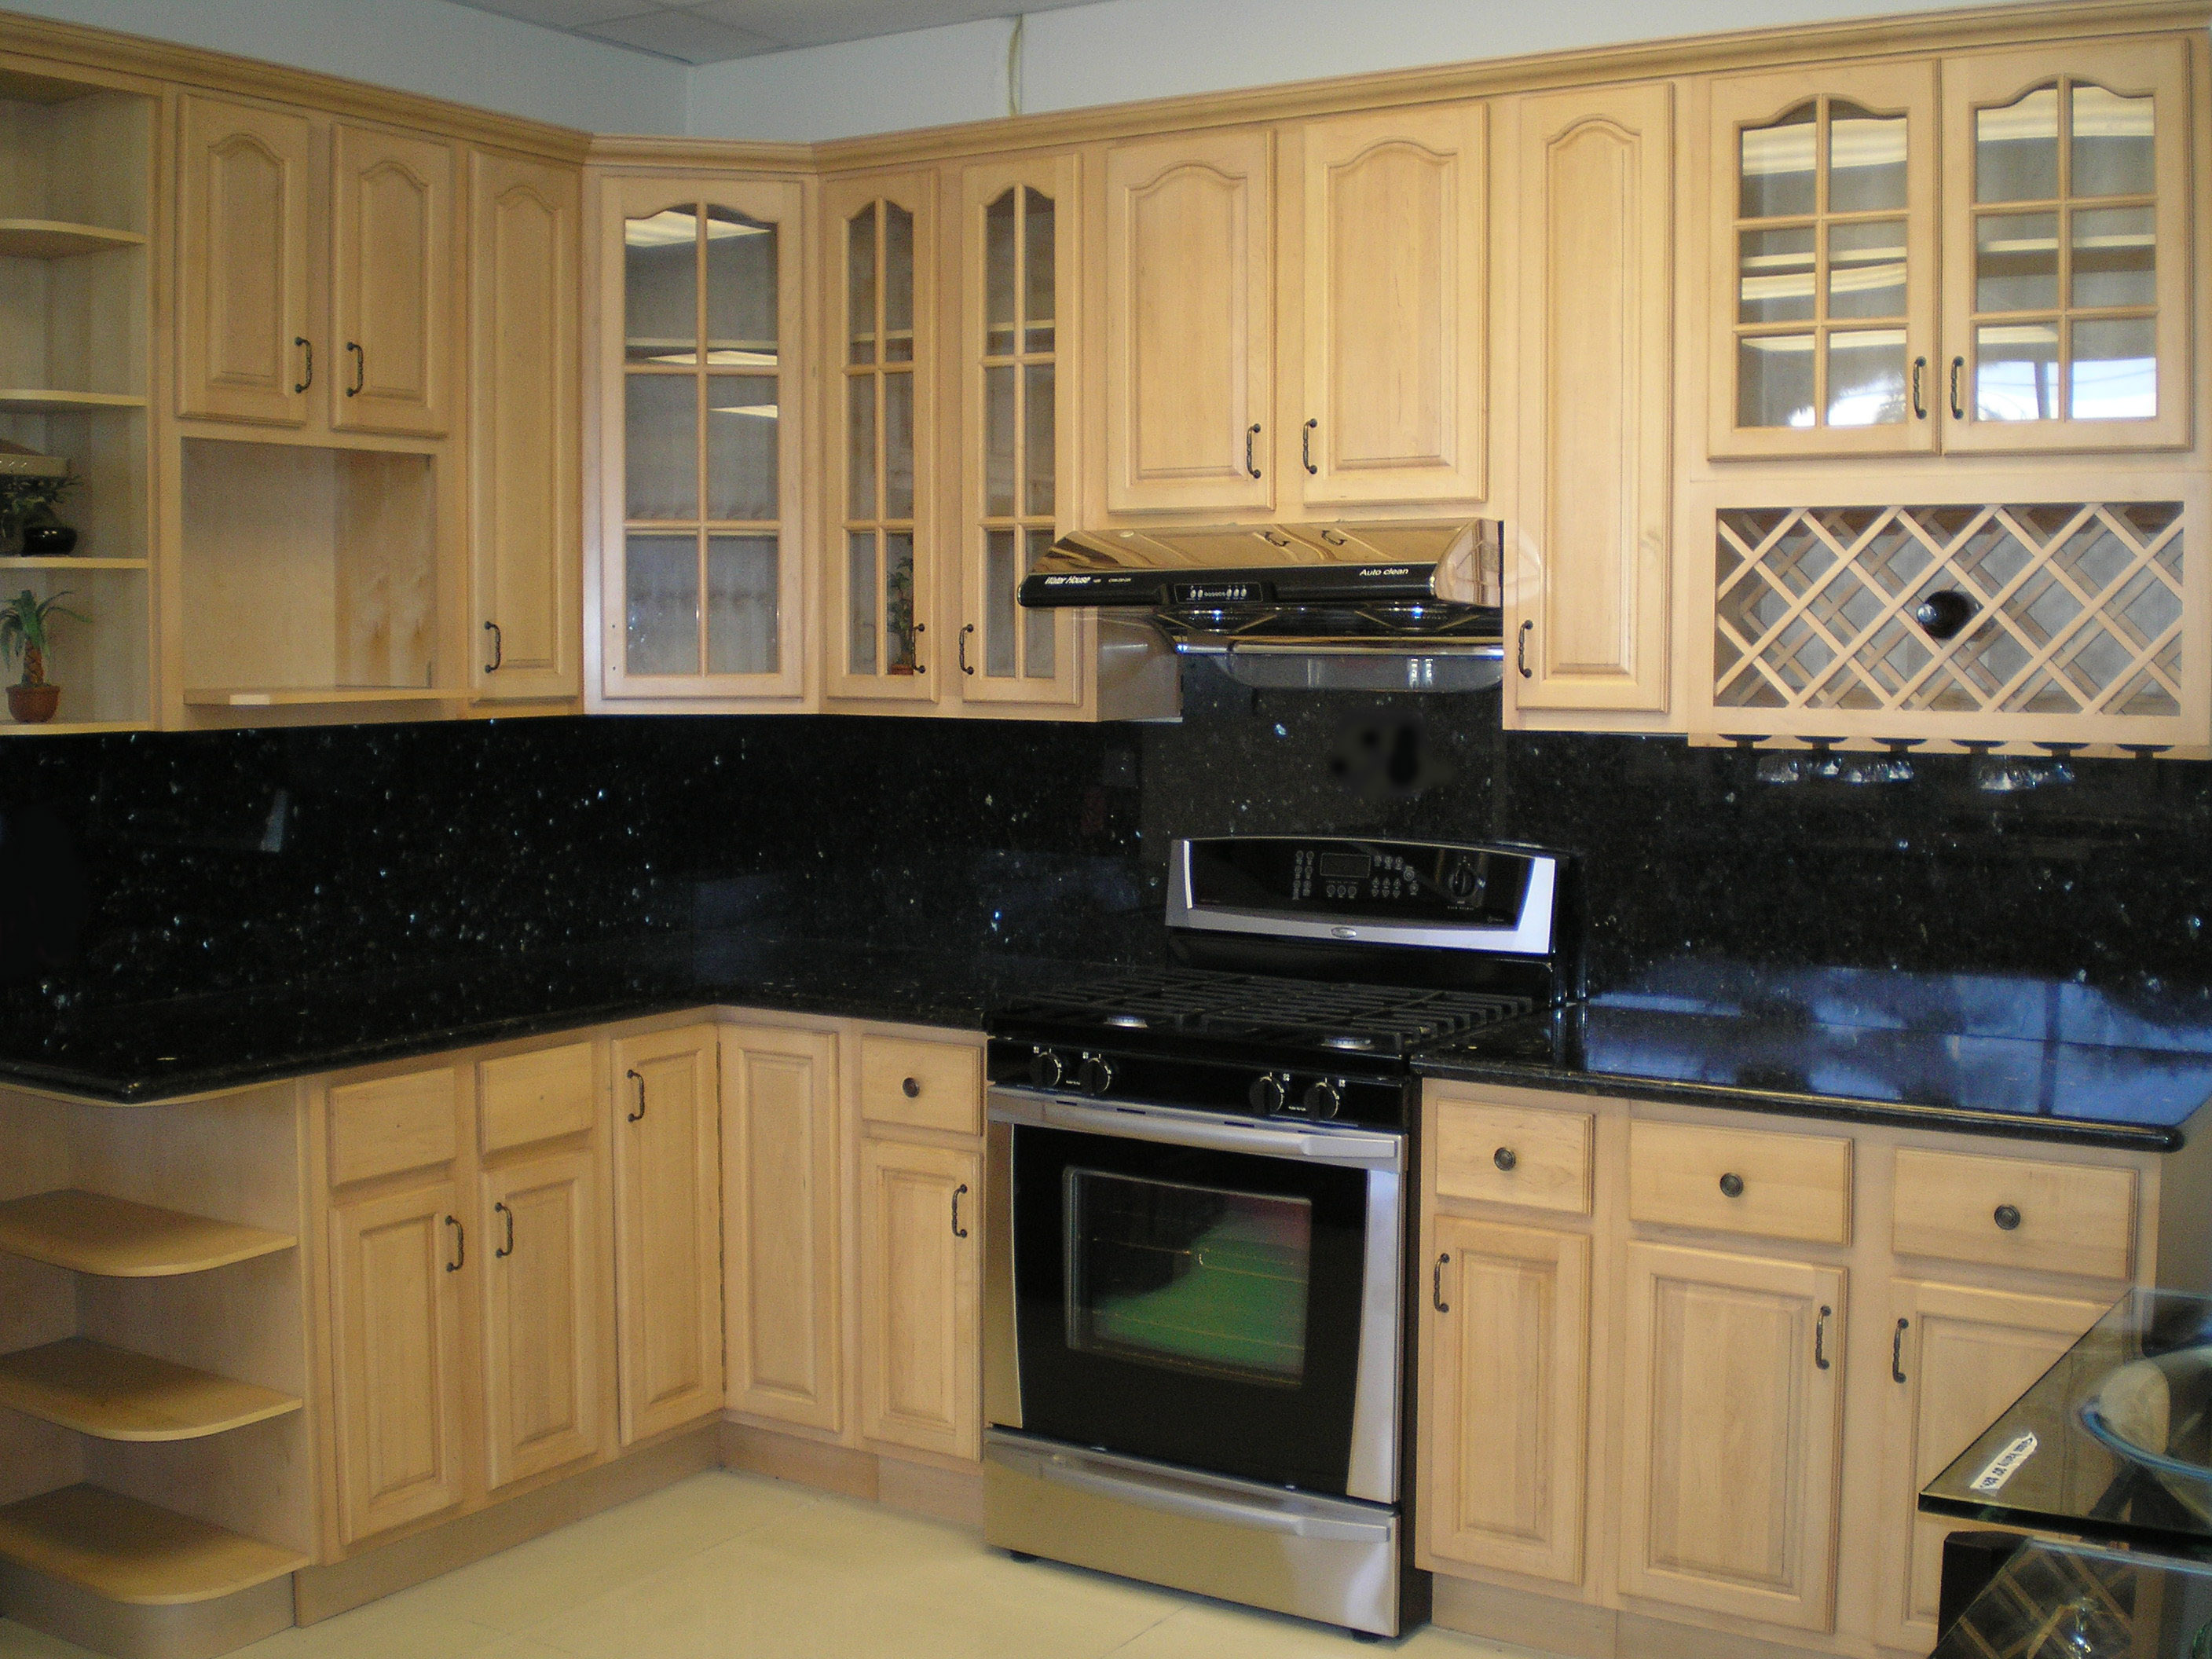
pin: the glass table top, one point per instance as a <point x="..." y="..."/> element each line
<point x="2054" y="1600"/>
<point x="2113" y="1444"/>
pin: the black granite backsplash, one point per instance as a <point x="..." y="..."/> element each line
<point x="140" y="867"/>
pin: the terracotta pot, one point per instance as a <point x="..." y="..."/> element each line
<point x="33" y="704"/>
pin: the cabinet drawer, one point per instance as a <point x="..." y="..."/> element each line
<point x="1514" y="1155"/>
<point x="391" y="1123"/>
<point x="537" y="1095"/>
<point x="2063" y="1218"/>
<point x="1740" y="1181"/>
<point x="924" y="1085"/>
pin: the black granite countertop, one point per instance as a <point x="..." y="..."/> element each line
<point x="1999" y="1054"/>
<point x="196" y="1045"/>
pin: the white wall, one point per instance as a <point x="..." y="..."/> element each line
<point x="1122" y="50"/>
<point x="416" y="46"/>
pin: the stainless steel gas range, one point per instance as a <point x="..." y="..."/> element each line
<point x="1196" y="1285"/>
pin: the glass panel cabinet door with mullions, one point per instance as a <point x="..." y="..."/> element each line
<point x="705" y="600"/>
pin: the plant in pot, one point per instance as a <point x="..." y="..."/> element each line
<point x="24" y="630"/>
<point x="28" y="522"/>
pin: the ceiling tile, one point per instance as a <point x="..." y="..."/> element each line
<point x="563" y="14"/>
<point x="819" y="22"/>
<point x="681" y="34"/>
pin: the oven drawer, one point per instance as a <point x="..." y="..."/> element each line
<point x="1514" y="1155"/>
<point x="1756" y="1182"/>
<point x="2016" y="1212"/>
<point x="922" y="1084"/>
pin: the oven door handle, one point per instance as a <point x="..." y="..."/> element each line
<point x="1129" y="1488"/>
<point x="1339" y="1146"/>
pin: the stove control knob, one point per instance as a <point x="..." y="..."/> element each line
<point x="1094" y="1077"/>
<point x="1463" y="881"/>
<point x="1046" y="1070"/>
<point x="1323" y="1098"/>
<point x="1267" y="1093"/>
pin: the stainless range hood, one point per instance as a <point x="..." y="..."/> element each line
<point x="1397" y="606"/>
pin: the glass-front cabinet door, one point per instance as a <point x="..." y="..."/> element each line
<point x="701" y="567"/>
<point x="1823" y="210"/>
<point x="881" y="472"/>
<point x="1018" y="269"/>
<point x="2066" y="253"/>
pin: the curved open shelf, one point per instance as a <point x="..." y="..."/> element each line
<point x="91" y="1233"/>
<point x="313" y="697"/>
<point x="117" y="1395"/>
<point x="135" y="1553"/>
<point x="45" y="400"/>
<point x="54" y="239"/>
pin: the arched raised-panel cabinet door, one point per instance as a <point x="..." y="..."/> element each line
<point x="524" y="439"/>
<point x="244" y="346"/>
<point x="2067" y="247"/>
<point x="886" y="548"/>
<point x="1823" y="325"/>
<point x="543" y="1245"/>
<point x="1190" y="325"/>
<point x="1587" y="563"/>
<point x="1396" y="357"/>
<point x="391" y="269"/>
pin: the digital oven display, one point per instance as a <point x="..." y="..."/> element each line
<point x="1346" y="866"/>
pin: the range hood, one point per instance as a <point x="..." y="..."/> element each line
<point x="1406" y="605"/>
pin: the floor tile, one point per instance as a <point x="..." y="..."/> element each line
<point x="21" y="1642"/>
<point x="1214" y="1630"/>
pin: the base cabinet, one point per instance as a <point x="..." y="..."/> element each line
<point x="540" y="1224"/>
<point x="921" y="1297"/>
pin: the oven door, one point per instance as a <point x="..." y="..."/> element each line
<point x="1198" y="1290"/>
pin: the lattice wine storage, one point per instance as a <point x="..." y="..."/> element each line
<point x="2047" y="624"/>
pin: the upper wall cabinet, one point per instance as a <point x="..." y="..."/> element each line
<point x="701" y="573"/>
<point x="2062" y="317"/>
<point x="1393" y="276"/>
<point x="392" y="282"/>
<point x="882" y="330"/>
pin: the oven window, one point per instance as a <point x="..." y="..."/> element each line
<point x="1189" y="1278"/>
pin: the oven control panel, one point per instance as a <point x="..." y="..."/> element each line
<point x="1300" y="1092"/>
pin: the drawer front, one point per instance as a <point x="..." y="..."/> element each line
<point x="391" y="1123"/>
<point x="2016" y="1212"/>
<point x="1514" y="1155"/>
<point x="923" y="1085"/>
<point x="1756" y="1182"/>
<point x="534" y="1097"/>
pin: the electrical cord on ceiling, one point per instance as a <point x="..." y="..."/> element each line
<point x="1014" y="66"/>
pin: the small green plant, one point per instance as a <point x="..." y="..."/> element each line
<point x="23" y="629"/>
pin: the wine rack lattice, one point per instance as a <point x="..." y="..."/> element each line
<point x="2074" y="608"/>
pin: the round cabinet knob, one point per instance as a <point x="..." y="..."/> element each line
<point x="1097" y="1076"/>
<point x="2006" y="1217"/>
<point x="1505" y="1158"/>
<point x="912" y="1087"/>
<point x="1267" y="1093"/>
<point x="1323" y="1099"/>
<point x="1045" y="1069"/>
<point x="1731" y="1185"/>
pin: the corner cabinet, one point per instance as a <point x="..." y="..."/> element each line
<point x="701" y="560"/>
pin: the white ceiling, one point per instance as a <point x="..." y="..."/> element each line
<point x="712" y="31"/>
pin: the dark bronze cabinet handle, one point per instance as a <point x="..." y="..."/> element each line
<point x="1958" y="404"/>
<point x="635" y="1116"/>
<point x="1897" y="1351"/>
<point x="460" y="1244"/>
<point x="507" y="1249"/>
<point x="1731" y="1185"/>
<point x="2007" y="1217"/>
<point x="920" y="667"/>
<point x="1920" y="388"/>
<point x="308" y="376"/>
<point x="1521" y="649"/>
<point x="1505" y="1158"/>
<point x="1820" y="1340"/>
<point x="1251" y="436"/>
<point x="911" y="1088"/>
<point x="1436" y="1285"/>
<point x="966" y="667"/>
<point x="498" y="647"/>
<point x="959" y="1231"/>
<point x="359" y="369"/>
<point x="1305" y="447"/>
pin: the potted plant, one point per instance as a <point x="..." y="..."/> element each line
<point x="23" y="628"/>
<point x="27" y="522"/>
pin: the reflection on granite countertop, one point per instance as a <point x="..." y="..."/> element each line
<point x="153" y="1051"/>
<point x="1999" y="1054"/>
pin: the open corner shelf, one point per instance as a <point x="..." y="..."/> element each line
<point x="54" y="239"/>
<point x="89" y="1233"/>
<point x="68" y="561"/>
<point x="114" y="1393"/>
<point x="68" y="728"/>
<point x="315" y="697"/>
<point x="45" y="400"/>
<point x="135" y="1553"/>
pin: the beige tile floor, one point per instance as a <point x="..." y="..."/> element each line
<point x="737" y="1566"/>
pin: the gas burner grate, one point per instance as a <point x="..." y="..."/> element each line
<point x="1378" y="1019"/>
